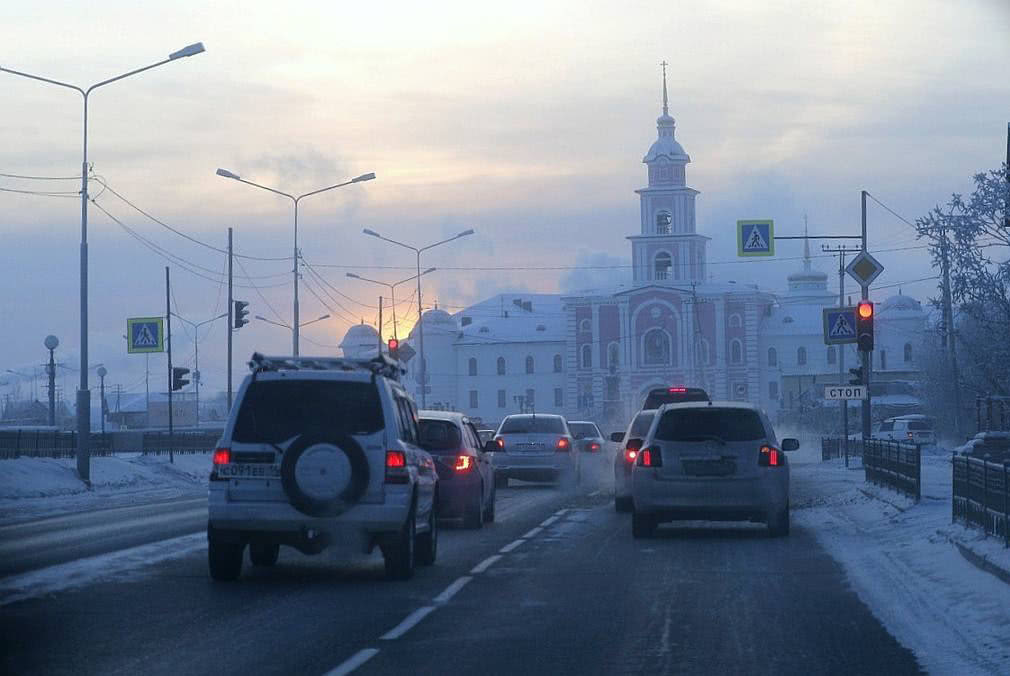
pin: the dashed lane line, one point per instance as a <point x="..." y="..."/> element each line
<point x="548" y="522"/>
<point x="451" y="590"/>
<point x="353" y="662"/>
<point x="510" y="546"/>
<point x="485" y="564"/>
<point x="408" y="623"/>
<point x="560" y="512"/>
<point x="533" y="533"/>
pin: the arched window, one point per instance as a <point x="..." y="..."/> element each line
<point x="585" y="326"/>
<point x="736" y="352"/>
<point x="557" y="363"/>
<point x="908" y="352"/>
<point x="773" y="357"/>
<point x="529" y="363"/>
<point x="472" y="366"/>
<point x="735" y="321"/>
<point x="587" y="357"/>
<point x="501" y="366"/>
<point x="613" y="356"/>
<point x="831" y="355"/>
<point x="656" y="347"/>
<point x="663" y="266"/>
<point x="664" y="223"/>
<point x="801" y="356"/>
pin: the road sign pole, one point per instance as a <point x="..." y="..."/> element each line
<point x="841" y="357"/>
<point x="230" y="318"/>
<point x="168" y="347"/>
<point x="866" y="356"/>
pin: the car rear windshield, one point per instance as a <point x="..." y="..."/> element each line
<point x="583" y="430"/>
<point x="273" y="411"/>
<point x="674" y="395"/>
<point x="640" y="427"/>
<point x="920" y="425"/>
<point x="702" y="424"/>
<point x="440" y="436"/>
<point x="532" y="425"/>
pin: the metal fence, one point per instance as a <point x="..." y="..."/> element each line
<point x="834" y="447"/>
<point x="180" y="442"/>
<point x="894" y="464"/>
<point x="57" y="444"/>
<point x="981" y="495"/>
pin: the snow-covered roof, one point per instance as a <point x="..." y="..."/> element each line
<point x="792" y="319"/>
<point x="537" y="317"/>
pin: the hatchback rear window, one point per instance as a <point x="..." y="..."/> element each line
<point x="439" y="436"/>
<point x="640" y="427"/>
<point x="583" y="430"/>
<point x="701" y="424"/>
<point x="532" y="425"/>
<point x="273" y="411"/>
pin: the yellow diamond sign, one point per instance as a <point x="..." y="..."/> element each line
<point x="864" y="268"/>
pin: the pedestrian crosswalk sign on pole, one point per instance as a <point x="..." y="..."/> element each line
<point x="755" y="238"/>
<point x="145" y="334"/>
<point x="839" y="325"/>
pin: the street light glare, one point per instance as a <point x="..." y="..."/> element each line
<point x="227" y="174"/>
<point x="188" y="50"/>
<point x="371" y="232"/>
<point x="364" y="177"/>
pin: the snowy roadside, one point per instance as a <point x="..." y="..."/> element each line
<point x="901" y="559"/>
<point x="40" y="487"/>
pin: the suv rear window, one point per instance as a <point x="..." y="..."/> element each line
<point x="274" y="411"/>
<point x="583" y="430"/>
<point x="532" y="425"/>
<point x="700" y="424"/>
<point x="439" y="436"/>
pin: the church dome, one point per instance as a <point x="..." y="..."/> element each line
<point x="437" y="317"/>
<point x="901" y="303"/>
<point x="808" y="275"/>
<point x="361" y="341"/>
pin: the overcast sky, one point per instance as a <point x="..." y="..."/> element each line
<point x="526" y="122"/>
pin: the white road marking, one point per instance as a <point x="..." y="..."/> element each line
<point x="353" y="662"/>
<point x="510" y="546"/>
<point x="451" y="590"/>
<point x="533" y="533"/>
<point x="407" y="624"/>
<point x="595" y="493"/>
<point x="548" y="522"/>
<point x="560" y="512"/>
<point x="485" y="564"/>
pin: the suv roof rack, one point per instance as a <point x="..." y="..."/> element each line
<point x="382" y="365"/>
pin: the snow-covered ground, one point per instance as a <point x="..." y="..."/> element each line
<point x="39" y="487"/>
<point x="901" y="559"/>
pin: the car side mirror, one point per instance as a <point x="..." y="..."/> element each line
<point x="617" y="436"/>
<point x="634" y="444"/>
<point x="490" y="446"/>
<point x="790" y="444"/>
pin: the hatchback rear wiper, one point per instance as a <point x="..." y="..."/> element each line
<point x="705" y="437"/>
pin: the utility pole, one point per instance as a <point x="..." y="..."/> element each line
<point x="230" y="317"/>
<point x="866" y="357"/>
<point x="168" y="342"/>
<point x="948" y="325"/>
<point x="380" y="327"/>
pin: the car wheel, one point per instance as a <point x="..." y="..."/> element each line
<point x="224" y="559"/>
<point x="489" y="512"/>
<point x="473" y="515"/>
<point x="398" y="552"/>
<point x="778" y="522"/>
<point x="501" y="481"/>
<point x="427" y="543"/>
<point x="622" y="503"/>
<point x="642" y="525"/>
<point x="263" y="553"/>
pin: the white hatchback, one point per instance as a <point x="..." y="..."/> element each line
<point x="713" y="461"/>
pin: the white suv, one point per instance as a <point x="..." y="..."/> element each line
<point x="319" y="452"/>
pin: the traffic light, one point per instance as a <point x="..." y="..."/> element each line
<point x="394" y="348"/>
<point x="178" y="382"/>
<point x="241" y="313"/>
<point x="857" y="376"/>
<point x="864" y="326"/>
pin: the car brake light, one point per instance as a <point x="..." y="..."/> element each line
<point x="678" y="389"/>
<point x="630" y="454"/>
<point x="396" y="467"/>
<point x="464" y="463"/>
<point x="222" y="456"/>
<point x="500" y="442"/>
<point x="562" y="446"/>
<point x="396" y="459"/>
<point x="594" y="447"/>
<point x="650" y="457"/>
<point x="770" y="457"/>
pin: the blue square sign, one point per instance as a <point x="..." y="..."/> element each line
<point x="755" y="238"/>
<point x="839" y="325"/>
<point x="145" y="334"/>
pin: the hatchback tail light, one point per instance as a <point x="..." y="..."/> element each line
<point x="464" y="463"/>
<point x="562" y="446"/>
<point x="770" y="457"/>
<point x="594" y="447"/>
<point x="630" y="454"/>
<point x="650" y="457"/>
<point x="396" y="467"/>
<point x="222" y="456"/>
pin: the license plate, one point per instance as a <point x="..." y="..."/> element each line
<point x="709" y="467"/>
<point x="249" y="471"/>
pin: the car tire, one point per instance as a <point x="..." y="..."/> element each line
<point x="263" y="553"/>
<point x="778" y="522"/>
<point x="224" y="560"/>
<point x="622" y="503"/>
<point x="473" y="513"/>
<point x="398" y="553"/>
<point x="427" y="543"/>
<point x="501" y="481"/>
<point x="642" y="525"/>
<point x="489" y="512"/>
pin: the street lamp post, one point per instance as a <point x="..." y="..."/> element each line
<point x="52" y="342"/>
<point x="420" y="322"/>
<point x="295" y="199"/>
<point x="83" y="394"/>
<point x="196" y="354"/>
<point x="392" y="293"/>
<point x="102" y="372"/>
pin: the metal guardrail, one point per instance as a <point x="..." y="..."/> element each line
<point x="981" y="494"/>
<point x="57" y="444"/>
<point x="894" y="464"/>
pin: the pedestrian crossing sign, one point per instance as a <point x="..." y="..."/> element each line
<point x="839" y="325"/>
<point x="145" y="334"/>
<point x="755" y="238"/>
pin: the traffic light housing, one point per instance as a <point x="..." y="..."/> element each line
<point x="178" y="381"/>
<point x="857" y="376"/>
<point x="241" y="313"/>
<point x="394" y="348"/>
<point x="864" y="325"/>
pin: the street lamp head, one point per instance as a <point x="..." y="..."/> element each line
<point x="323" y="317"/>
<point x="364" y="177"/>
<point x="102" y="372"/>
<point x="51" y="342"/>
<point x="261" y="318"/>
<point x="465" y="233"/>
<point x="429" y="270"/>
<point x="352" y="275"/>
<point x="227" y="174"/>
<point x="189" y="50"/>
<point x="371" y="232"/>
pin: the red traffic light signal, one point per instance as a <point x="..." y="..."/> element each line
<point x="864" y="326"/>
<point x="865" y="310"/>
<point x="394" y="348"/>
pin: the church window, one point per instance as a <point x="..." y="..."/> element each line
<point x="557" y="363"/>
<point x="501" y="366"/>
<point x="664" y="223"/>
<point x="908" y="352"/>
<point x="773" y="357"/>
<point x="587" y="357"/>
<point x="472" y="366"/>
<point x="656" y="344"/>
<point x="473" y="398"/>
<point x="773" y="390"/>
<point x="801" y="356"/>
<point x="501" y="398"/>
<point x="735" y="321"/>
<point x="831" y="355"/>
<point x="735" y="352"/>
<point x="663" y="265"/>
<point x="613" y="356"/>
<point x="529" y="364"/>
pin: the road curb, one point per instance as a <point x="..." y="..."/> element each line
<point x="981" y="562"/>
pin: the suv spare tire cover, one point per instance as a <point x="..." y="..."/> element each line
<point x="324" y="475"/>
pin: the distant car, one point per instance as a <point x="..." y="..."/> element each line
<point x="673" y="395"/>
<point x="485" y="436"/>
<point x="532" y="447"/>
<point x="465" y="477"/>
<point x="916" y="429"/>
<point x="588" y="438"/>
<point x="711" y="461"/>
<point x="629" y="443"/>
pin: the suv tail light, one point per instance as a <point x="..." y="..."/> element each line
<point x="630" y="454"/>
<point x="650" y="457"/>
<point x="396" y="467"/>
<point x="222" y="456"/>
<point x="770" y="457"/>
<point x="594" y="447"/>
<point x="501" y="443"/>
<point x="562" y="446"/>
<point x="464" y="463"/>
